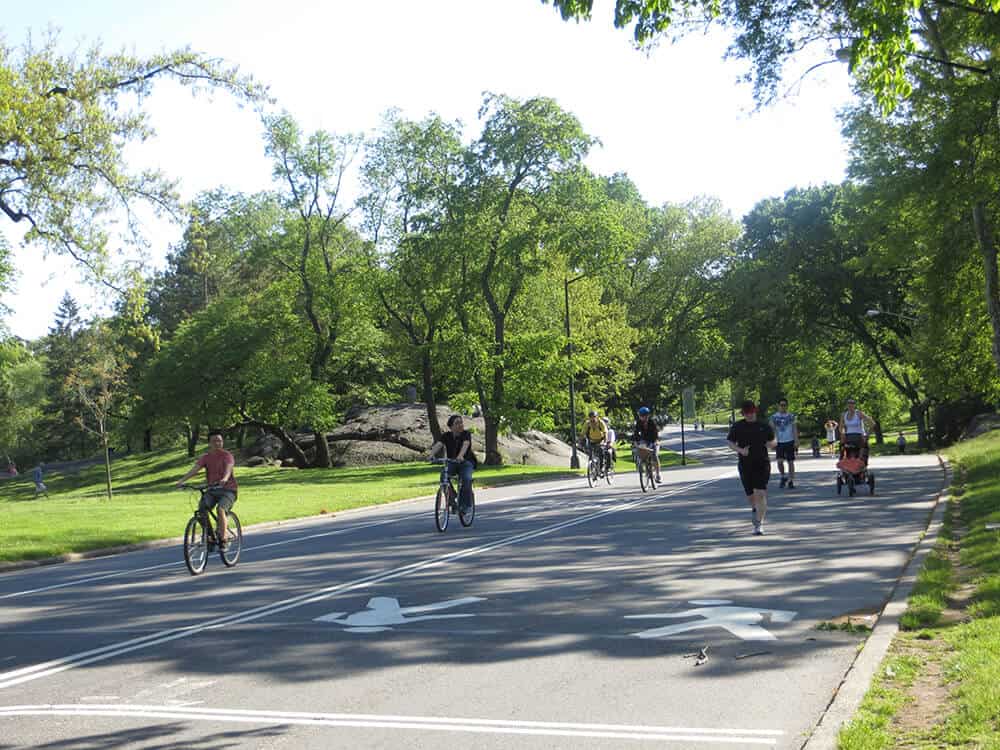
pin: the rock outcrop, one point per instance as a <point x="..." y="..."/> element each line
<point x="399" y="432"/>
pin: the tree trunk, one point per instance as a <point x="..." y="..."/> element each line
<point x="241" y="434"/>
<point x="917" y="414"/>
<point x="322" y="460"/>
<point x="428" y="376"/>
<point x="988" y="249"/>
<point x="192" y="439"/>
<point x="107" y="463"/>
<point x="147" y="440"/>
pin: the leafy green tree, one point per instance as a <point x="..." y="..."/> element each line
<point x="327" y="258"/>
<point x="242" y="360"/>
<point x="22" y="394"/>
<point x="65" y="122"/>
<point x="97" y="380"/>
<point x="675" y="295"/>
<point x="410" y="174"/>
<point x="62" y="350"/>
<point x="879" y="38"/>
<point x="510" y="216"/>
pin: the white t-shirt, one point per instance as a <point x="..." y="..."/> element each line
<point x="855" y="426"/>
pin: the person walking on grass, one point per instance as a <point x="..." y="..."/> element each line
<point x="751" y="440"/>
<point x="218" y="464"/>
<point x="786" y="429"/>
<point x="36" y="476"/>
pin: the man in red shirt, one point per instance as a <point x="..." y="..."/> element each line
<point x="218" y="464"/>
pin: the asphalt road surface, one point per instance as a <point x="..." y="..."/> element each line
<point x="565" y="617"/>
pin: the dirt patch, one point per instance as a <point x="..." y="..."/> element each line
<point x="928" y="695"/>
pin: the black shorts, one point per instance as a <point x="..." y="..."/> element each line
<point x="221" y="497"/>
<point x="785" y="452"/>
<point x="754" y="476"/>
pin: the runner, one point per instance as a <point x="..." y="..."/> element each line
<point x="751" y="439"/>
<point x="787" y="431"/>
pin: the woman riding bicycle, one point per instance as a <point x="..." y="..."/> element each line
<point x="457" y="443"/>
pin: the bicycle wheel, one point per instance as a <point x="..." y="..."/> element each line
<point x="441" y="509"/>
<point x="609" y="472"/>
<point x="642" y="474"/>
<point x="467" y="515"/>
<point x="234" y="540"/>
<point x="593" y="472"/>
<point x="650" y="477"/>
<point x="195" y="546"/>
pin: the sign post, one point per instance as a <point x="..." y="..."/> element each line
<point x="687" y="409"/>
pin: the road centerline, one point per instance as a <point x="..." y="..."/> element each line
<point x="48" y="668"/>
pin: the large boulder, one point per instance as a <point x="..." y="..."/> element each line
<point x="981" y="424"/>
<point x="395" y="433"/>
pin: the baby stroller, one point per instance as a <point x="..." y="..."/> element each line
<point x="852" y="468"/>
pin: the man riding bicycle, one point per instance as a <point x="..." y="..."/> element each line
<point x="457" y="443"/>
<point x="595" y="438"/>
<point x="647" y="435"/>
<point x="218" y="464"/>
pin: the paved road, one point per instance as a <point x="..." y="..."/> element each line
<point x="564" y="618"/>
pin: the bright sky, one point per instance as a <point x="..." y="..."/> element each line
<point x="676" y="120"/>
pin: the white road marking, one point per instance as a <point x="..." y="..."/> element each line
<point x="45" y="669"/>
<point x="743" y="622"/>
<point x="178" y="563"/>
<point x="383" y="611"/>
<point x="376" y="721"/>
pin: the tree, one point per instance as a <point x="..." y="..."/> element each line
<point x="675" y="295"/>
<point x="22" y="394"/>
<point x="97" y="380"/>
<point x="410" y="173"/>
<point x="327" y="257"/>
<point x="879" y="38"/>
<point x="65" y="123"/>
<point x="509" y="214"/>
<point x="62" y="350"/>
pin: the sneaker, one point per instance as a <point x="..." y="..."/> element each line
<point x="791" y="484"/>
<point x="758" y="529"/>
<point x="783" y="481"/>
<point x="658" y="480"/>
<point x="223" y="545"/>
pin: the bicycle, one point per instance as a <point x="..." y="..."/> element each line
<point x="643" y="458"/>
<point x="599" y="465"/>
<point x="200" y="538"/>
<point x="446" y="500"/>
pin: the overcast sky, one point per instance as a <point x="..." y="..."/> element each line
<point x="676" y="120"/>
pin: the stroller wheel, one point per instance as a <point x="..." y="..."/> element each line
<point x="840" y="485"/>
<point x="871" y="484"/>
<point x="851" y="487"/>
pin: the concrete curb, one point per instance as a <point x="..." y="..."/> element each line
<point x="859" y="675"/>
<point x="263" y="526"/>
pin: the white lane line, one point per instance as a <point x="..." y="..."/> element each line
<point x="45" y="669"/>
<point x="375" y="721"/>
<point x="179" y="563"/>
<point x="293" y="540"/>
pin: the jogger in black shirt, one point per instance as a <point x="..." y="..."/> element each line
<point x="751" y="439"/>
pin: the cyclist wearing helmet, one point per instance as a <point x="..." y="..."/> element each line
<point x="594" y="436"/>
<point x="647" y="435"/>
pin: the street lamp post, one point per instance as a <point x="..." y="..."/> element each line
<point x="574" y="459"/>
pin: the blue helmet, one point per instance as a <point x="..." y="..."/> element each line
<point x="643" y="410"/>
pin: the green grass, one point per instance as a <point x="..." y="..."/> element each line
<point x="77" y="516"/>
<point x="871" y="727"/>
<point x="667" y="458"/>
<point x="969" y="651"/>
